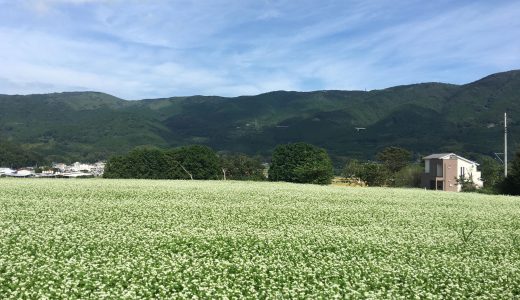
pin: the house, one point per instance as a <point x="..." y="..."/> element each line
<point x="22" y="173"/>
<point x="442" y="170"/>
<point x="96" y="169"/>
<point x="6" y="171"/>
<point x="60" y="166"/>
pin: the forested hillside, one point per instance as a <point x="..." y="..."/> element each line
<point x="428" y="117"/>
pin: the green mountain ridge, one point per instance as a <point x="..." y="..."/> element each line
<point x="425" y="118"/>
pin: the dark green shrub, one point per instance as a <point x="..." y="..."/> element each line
<point x="301" y="163"/>
<point x="193" y="162"/>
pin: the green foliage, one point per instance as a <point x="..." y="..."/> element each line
<point x="393" y="169"/>
<point x="466" y="183"/>
<point x="397" y="170"/>
<point x="189" y="162"/>
<point x="142" y="163"/>
<point x="394" y="158"/>
<point x="372" y="173"/>
<point x="492" y="172"/>
<point x="353" y="169"/>
<point x="408" y="176"/>
<point x="194" y="162"/>
<point x="241" y="167"/>
<point x="117" y="167"/>
<point x="465" y="230"/>
<point x="301" y="163"/>
<point x="14" y="156"/>
<point x="423" y="118"/>
<point x="511" y="184"/>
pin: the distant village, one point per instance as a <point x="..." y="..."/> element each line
<point x="57" y="170"/>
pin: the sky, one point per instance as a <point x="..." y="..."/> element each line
<point x="152" y="49"/>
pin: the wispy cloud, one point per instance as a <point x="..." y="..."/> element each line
<point x="144" y="49"/>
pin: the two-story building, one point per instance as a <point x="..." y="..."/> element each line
<point x="442" y="170"/>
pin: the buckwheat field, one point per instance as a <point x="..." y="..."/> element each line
<point x="132" y="239"/>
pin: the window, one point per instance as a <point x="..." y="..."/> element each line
<point x="439" y="169"/>
<point x="427" y="166"/>
<point x="462" y="171"/>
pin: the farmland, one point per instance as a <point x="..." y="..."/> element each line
<point x="128" y="239"/>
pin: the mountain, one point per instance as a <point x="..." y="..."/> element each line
<point x="425" y="118"/>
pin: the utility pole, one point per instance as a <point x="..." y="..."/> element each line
<point x="505" y="144"/>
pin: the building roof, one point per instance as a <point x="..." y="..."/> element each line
<point x="438" y="155"/>
<point x="447" y="156"/>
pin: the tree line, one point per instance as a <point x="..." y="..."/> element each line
<point x="188" y="162"/>
<point x="296" y="162"/>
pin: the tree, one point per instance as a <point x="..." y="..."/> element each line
<point x="466" y="183"/>
<point x="116" y="167"/>
<point x="394" y="158"/>
<point x="143" y="163"/>
<point x="511" y="184"/>
<point x="492" y="171"/>
<point x="301" y="163"/>
<point x="241" y="167"/>
<point x="409" y="176"/>
<point x="148" y="163"/>
<point x="372" y="173"/>
<point x="190" y="162"/>
<point x="353" y="169"/>
<point x="193" y="162"/>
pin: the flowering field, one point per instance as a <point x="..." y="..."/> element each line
<point x="127" y="239"/>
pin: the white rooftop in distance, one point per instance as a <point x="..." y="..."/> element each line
<point x="447" y="156"/>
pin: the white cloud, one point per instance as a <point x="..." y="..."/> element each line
<point x="165" y="48"/>
<point x="44" y="7"/>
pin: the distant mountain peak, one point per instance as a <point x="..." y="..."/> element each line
<point x="502" y="76"/>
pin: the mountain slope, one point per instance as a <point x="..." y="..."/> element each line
<point x="428" y="117"/>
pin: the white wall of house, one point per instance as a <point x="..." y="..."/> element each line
<point x="468" y="169"/>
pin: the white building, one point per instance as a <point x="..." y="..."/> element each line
<point x="442" y="170"/>
<point x="6" y="171"/>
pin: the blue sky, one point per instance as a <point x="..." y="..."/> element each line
<point x="149" y="49"/>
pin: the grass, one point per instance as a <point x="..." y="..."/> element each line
<point x="128" y="239"/>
